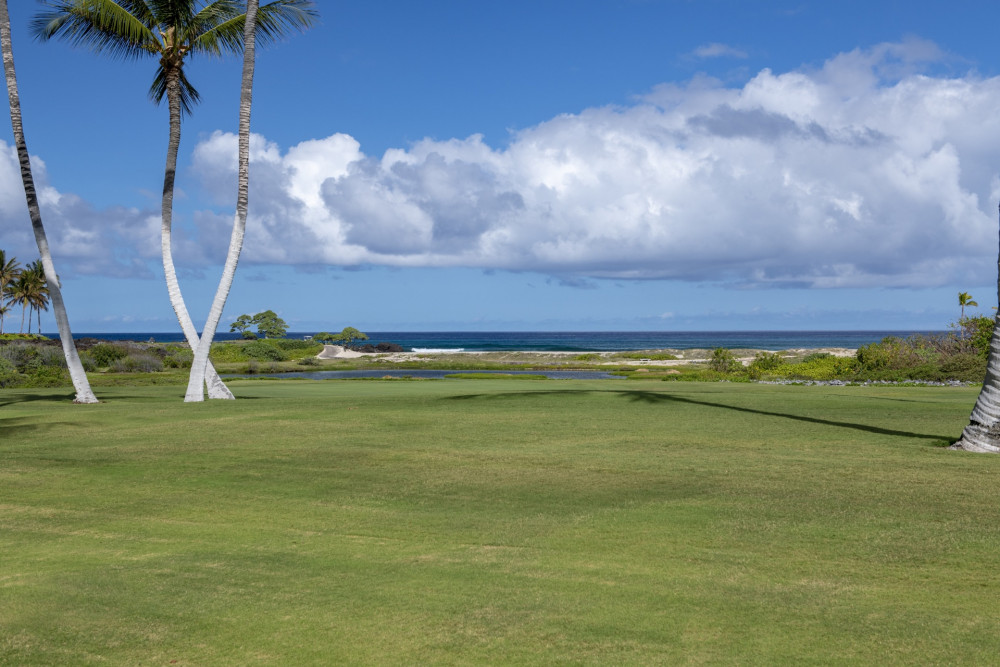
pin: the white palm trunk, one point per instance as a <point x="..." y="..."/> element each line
<point x="198" y="368"/>
<point x="983" y="432"/>
<point x="80" y="383"/>
<point x="216" y="388"/>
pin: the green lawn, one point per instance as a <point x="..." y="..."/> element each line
<point x="491" y="521"/>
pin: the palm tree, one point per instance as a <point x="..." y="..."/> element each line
<point x="38" y="291"/>
<point x="965" y="299"/>
<point x="200" y="364"/>
<point x="169" y="30"/>
<point x="83" y="392"/>
<point x="9" y="268"/>
<point x="19" y="293"/>
<point x="983" y="432"/>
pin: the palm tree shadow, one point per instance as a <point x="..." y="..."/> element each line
<point x="13" y="427"/>
<point x="657" y="398"/>
<point x="14" y="399"/>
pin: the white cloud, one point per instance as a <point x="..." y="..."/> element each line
<point x="717" y="50"/>
<point x="862" y="172"/>
<point x="113" y="242"/>
<point x="837" y="177"/>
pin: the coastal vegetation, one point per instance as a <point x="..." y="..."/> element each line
<point x="957" y="356"/>
<point x="373" y="523"/>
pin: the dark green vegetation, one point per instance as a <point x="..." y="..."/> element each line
<point x="959" y="355"/>
<point x="268" y="324"/>
<point x="496" y="522"/>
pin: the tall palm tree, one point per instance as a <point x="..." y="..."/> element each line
<point x="200" y="364"/>
<point x="83" y="392"/>
<point x="38" y="291"/>
<point x="170" y="30"/>
<point x="965" y="299"/>
<point x="9" y="268"/>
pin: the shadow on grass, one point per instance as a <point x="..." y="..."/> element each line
<point x="656" y="398"/>
<point x="19" y="397"/>
<point x="14" y="427"/>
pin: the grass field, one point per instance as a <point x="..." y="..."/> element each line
<point x="490" y="521"/>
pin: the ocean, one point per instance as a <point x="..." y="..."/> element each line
<point x="572" y="341"/>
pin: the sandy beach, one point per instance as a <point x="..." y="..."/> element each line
<point x="616" y="358"/>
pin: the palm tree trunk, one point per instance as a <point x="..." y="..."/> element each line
<point x="216" y="388"/>
<point x="983" y="432"/>
<point x="198" y="367"/>
<point x="83" y="392"/>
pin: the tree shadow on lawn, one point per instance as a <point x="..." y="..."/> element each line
<point x="14" y="427"/>
<point x="19" y="397"/>
<point x="656" y="398"/>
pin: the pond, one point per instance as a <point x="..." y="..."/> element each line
<point x="425" y="374"/>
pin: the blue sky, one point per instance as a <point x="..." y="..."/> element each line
<point x="545" y="165"/>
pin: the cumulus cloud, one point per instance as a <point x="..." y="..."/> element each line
<point x="112" y="242"/>
<point x="863" y="172"/>
<point x="866" y="171"/>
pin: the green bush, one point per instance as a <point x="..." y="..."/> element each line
<point x="977" y="333"/>
<point x="968" y="367"/>
<point x="9" y="377"/>
<point x="137" y="363"/>
<point x="263" y="351"/>
<point x="764" y="363"/>
<point x="724" y="361"/>
<point x="105" y="354"/>
<point x="178" y="358"/>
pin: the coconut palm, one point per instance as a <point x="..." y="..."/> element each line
<point x="38" y="291"/>
<point x="965" y="299"/>
<point x="19" y="293"/>
<point x="171" y="31"/>
<point x="983" y="432"/>
<point x="9" y="268"/>
<point x="200" y="364"/>
<point x="83" y="392"/>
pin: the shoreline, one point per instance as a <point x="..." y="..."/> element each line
<point x="599" y="358"/>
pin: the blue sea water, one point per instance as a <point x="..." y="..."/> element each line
<point x="570" y="341"/>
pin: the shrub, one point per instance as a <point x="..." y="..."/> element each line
<point x="263" y="351"/>
<point x="967" y="367"/>
<point x="137" y="363"/>
<point x="178" y="358"/>
<point x="308" y="361"/>
<point x="723" y="361"/>
<point x="977" y="332"/>
<point x="20" y="355"/>
<point x="105" y="354"/>
<point x="9" y="377"/>
<point x="764" y="362"/>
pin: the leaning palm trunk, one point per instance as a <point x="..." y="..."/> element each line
<point x="216" y="388"/>
<point x="983" y="432"/>
<point x="198" y="368"/>
<point x="76" y="372"/>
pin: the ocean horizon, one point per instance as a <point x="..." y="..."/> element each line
<point x="573" y="341"/>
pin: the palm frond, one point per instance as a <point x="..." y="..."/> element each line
<point x="101" y="25"/>
<point x="274" y="21"/>
<point x="158" y="90"/>
<point x="208" y="20"/>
